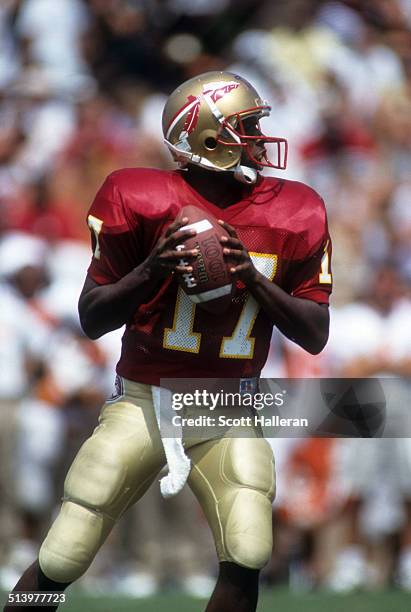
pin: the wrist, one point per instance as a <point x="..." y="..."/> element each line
<point x="254" y="279"/>
<point x="148" y="275"/>
<point x="145" y="271"/>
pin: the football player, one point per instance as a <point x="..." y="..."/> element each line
<point x="279" y="243"/>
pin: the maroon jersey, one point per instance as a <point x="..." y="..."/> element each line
<point x="282" y="224"/>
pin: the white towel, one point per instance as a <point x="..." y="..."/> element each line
<point x="179" y="465"/>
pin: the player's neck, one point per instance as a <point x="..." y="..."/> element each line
<point x="220" y="188"/>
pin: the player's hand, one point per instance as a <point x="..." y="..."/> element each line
<point x="168" y="256"/>
<point x="235" y="252"/>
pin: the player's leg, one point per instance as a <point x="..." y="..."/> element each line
<point x="32" y="580"/>
<point x="113" y="469"/>
<point x="236" y="589"/>
<point x="234" y="480"/>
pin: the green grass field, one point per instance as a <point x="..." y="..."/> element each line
<point x="273" y="600"/>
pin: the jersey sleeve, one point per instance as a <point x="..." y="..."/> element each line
<point x="313" y="280"/>
<point x="114" y="235"/>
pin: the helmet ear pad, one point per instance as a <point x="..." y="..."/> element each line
<point x="221" y="155"/>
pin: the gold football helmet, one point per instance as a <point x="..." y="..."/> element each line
<point x="203" y="124"/>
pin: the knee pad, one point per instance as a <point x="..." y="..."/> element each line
<point x="72" y="542"/>
<point x="245" y="507"/>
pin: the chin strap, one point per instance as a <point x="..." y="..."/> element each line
<point x="246" y="175"/>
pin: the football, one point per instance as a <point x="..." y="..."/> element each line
<point x="209" y="284"/>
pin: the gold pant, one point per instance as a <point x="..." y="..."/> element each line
<point x="233" y="479"/>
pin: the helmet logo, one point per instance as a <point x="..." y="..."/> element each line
<point x="216" y="91"/>
<point x="213" y="91"/>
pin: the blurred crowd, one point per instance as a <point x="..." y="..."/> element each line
<point x="82" y="86"/>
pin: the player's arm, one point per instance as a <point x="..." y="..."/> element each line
<point x="303" y="321"/>
<point x="103" y="308"/>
